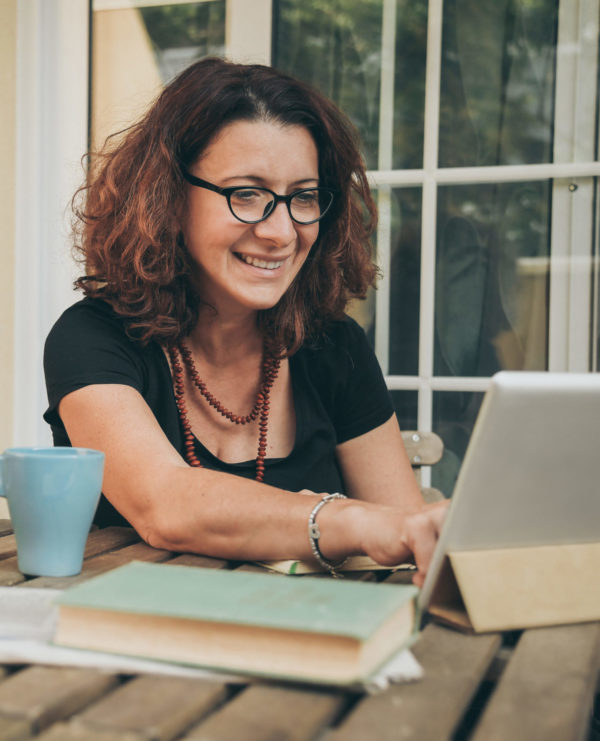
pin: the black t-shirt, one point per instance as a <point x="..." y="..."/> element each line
<point x="338" y="389"/>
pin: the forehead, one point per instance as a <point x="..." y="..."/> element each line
<point x="263" y="147"/>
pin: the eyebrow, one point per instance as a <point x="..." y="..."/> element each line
<point x="262" y="181"/>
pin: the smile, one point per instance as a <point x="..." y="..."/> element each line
<point x="255" y="262"/>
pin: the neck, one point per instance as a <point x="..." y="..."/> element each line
<point x="223" y="340"/>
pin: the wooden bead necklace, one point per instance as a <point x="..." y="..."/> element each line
<point x="269" y="371"/>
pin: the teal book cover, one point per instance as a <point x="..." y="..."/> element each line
<point x="327" y="629"/>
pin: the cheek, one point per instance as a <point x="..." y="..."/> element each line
<point x="197" y="217"/>
<point x="309" y="238"/>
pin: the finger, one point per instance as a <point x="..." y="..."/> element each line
<point x="418" y="579"/>
<point x="423" y="532"/>
<point x="439" y="513"/>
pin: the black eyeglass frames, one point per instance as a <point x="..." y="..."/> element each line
<point x="252" y="205"/>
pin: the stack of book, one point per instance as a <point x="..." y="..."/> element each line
<point x="317" y="630"/>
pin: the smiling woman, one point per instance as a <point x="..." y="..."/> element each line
<point x="223" y="236"/>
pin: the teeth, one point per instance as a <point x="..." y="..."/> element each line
<point x="261" y="263"/>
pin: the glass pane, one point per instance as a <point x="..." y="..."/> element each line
<point x="405" y="280"/>
<point x="406" y="406"/>
<point x="454" y="415"/>
<point x="136" y="50"/>
<point x="336" y="46"/>
<point x="497" y="85"/>
<point x="181" y="34"/>
<point x="409" y="83"/>
<point x="491" y="292"/>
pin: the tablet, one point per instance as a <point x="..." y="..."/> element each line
<point x="531" y="473"/>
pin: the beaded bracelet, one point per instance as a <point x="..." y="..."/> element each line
<point x="314" y="533"/>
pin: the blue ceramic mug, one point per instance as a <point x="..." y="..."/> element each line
<point x="52" y="496"/>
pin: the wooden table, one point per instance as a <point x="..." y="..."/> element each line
<point x="535" y="684"/>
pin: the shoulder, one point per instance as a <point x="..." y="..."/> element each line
<point x="89" y="323"/>
<point x="89" y="335"/>
<point x="345" y="329"/>
<point x="88" y="312"/>
<point x="341" y="352"/>
<point x="343" y="368"/>
<point x="341" y="341"/>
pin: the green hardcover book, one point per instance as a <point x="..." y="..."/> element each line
<point x="316" y="630"/>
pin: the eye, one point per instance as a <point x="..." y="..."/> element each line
<point x="247" y="195"/>
<point x="307" y="198"/>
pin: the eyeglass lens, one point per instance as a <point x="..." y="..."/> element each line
<point x="254" y="204"/>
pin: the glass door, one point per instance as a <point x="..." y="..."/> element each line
<point x="479" y="124"/>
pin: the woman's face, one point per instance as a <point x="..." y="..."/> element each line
<point x="248" y="267"/>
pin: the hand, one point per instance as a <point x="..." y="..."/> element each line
<point x="392" y="536"/>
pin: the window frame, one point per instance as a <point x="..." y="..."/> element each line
<point x="571" y="299"/>
<point x="52" y="126"/>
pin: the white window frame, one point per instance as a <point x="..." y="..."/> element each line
<point x="52" y="112"/>
<point x="571" y="301"/>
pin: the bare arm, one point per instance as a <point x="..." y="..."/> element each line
<point x="376" y="467"/>
<point x="180" y="508"/>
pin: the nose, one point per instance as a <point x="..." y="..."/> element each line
<point x="278" y="227"/>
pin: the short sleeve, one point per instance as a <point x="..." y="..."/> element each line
<point x="88" y="345"/>
<point x="350" y="381"/>
<point x="363" y="402"/>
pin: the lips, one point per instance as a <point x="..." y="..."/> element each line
<point x="258" y="263"/>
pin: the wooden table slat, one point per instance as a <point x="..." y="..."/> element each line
<point x="547" y="689"/>
<point x="154" y="707"/>
<point x="101" y="564"/>
<point x="262" y="712"/>
<point x="430" y="709"/>
<point x="73" y="732"/>
<point x="108" y="539"/>
<point x="9" y="573"/>
<point x="43" y="695"/>
<point x="12" y="729"/>
<point x="98" y="542"/>
<point x="5" y="526"/>
<point x="8" y="546"/>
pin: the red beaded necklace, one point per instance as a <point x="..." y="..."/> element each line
<point x="270" y="368"/>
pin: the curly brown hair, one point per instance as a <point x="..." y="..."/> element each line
<point x="128" y="214"/>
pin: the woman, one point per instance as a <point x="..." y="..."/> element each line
<point x="223" y="236"/>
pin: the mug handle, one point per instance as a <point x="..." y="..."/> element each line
<point x="2" y="492"/>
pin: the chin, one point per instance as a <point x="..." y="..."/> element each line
<point x="263" y="305"/>
<point x="262" y="302"/>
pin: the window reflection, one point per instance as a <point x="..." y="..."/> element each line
<point x="497" y="85"/>
<point x="491" y="290"/>
<point x="405" y="277"/>
<point x="454" y="415"/>
<point x="336" y="46"/>
<point x="136" y="50"/>
<point x="181" y="34"/>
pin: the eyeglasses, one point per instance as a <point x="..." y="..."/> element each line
<point x="252" y="205"/>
